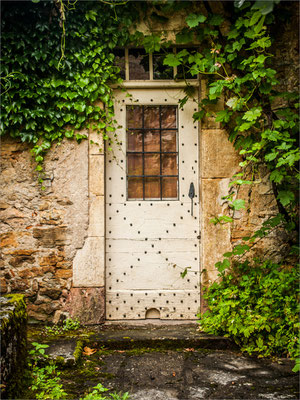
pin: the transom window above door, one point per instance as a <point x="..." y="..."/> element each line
<point x="152" y="152"/>
<point x="137" y="65"/>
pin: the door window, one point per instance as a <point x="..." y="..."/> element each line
<point x="152" y="152"/>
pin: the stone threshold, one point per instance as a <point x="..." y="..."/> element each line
<point x="123" y="336"/>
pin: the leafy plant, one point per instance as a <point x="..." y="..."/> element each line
<point x="96" y="394"/>
<point x="257" y="305"/>
<point x="46" y="383"/>
<point x="57" y="65"/>
<point x="68" y="324"/>
<point x="239" y="67"/>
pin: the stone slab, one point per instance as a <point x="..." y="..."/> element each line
<point x="96" y="216"/>
<point x="219" y="159"/>
<point x="96" y="175"/>
<point x="86" y="304"/>
<point x="121" y="336"/>
<point x="88" y="265"/>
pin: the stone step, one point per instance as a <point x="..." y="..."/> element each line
<point x="122" y="337"/>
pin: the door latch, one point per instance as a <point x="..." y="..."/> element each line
<point x="191" y="196"/>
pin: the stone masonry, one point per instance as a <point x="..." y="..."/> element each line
<point x="53" y="240"/>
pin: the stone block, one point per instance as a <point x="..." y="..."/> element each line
<point x="215" y="239"/>
<point x="219" y="159"/>
<point x="97" y="147"/>
<point x="89" y="264"/>
<point x="211" y="196"/>
<point x="97" y="210"/>
<point x="64" y="273"/>
<point x="86" y="304"/>
<point x="51" y="236"/>
<point x="96" y="175"/>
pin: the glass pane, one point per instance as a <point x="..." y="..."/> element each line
<point x="151" y="117"/>
<point x="134" y="141"/>
<point x="169" y="188"/>
<point x="152" y="166"/>
<point x="120" y="61"/>
<point x="168" y="141"/>
<point x="135" y="188"/>
<point x="135" y="164"/>
<point x="169" y="164"/>
<point x="168" y="117"/>
<point x="152" y="188"/>
<point x="152" y="141"/>
<point x="134" y="115"/>
<point x="161" y="71"/>
<point x="138" y="64"/>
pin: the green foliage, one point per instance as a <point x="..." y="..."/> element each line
<point x="97" y="394"/>
<point x="257" y="306"/>
<point x="46" y="383"/>
<point x="68" y="325"/>
<point x="47" y="95"/>
<point x="239" y="67"/>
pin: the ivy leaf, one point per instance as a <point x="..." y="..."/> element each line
<point x="238" y="204"/>
<point x="252" y="114"/>
<point x="171" y="60"/>
<point x="193" y="20"/>
<point x="232" y="102"/>
<point x="223" y="116"/>
<point x="286" y="197"/>
<point x="255" y="17"/>
<point x="197" y="116"/>
<point x="276" y="176"/>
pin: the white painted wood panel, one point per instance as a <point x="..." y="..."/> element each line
<point x="149" y="242"/>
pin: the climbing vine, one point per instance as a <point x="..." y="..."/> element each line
<point x="57" y="67"/>
<point x="236" y="57"/>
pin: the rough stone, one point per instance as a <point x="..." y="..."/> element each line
<point x="87" y="305"/>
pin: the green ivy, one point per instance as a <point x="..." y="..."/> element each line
<point x="51" y="90"/>
<point x="238" y="66"/>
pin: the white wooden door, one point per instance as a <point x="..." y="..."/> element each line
<point x="152" y="233"/>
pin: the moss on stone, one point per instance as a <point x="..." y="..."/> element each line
<point x="13" y="318"/>
<point x="78" y="351"/>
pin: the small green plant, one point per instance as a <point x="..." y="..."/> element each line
<point x="97" y="394"/>
<point x="68" y="325"/>
<point x="256" y="305"/>
<point x="46" y="383"/>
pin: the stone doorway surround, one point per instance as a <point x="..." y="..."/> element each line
<point x="218" y="162"/>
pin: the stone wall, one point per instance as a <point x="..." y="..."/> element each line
<point x="13" y="321"/>
<point x="42" y="230"/>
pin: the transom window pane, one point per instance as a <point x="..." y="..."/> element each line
<point x="152" y="154"/>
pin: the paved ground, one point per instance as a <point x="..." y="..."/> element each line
<point x="152" y="363"/>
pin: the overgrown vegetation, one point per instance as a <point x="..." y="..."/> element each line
<point x="45" y="381"/>
<point x="67" y="325"/>
<point x="258" y="306"/>
<point x="45" y="98"/>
